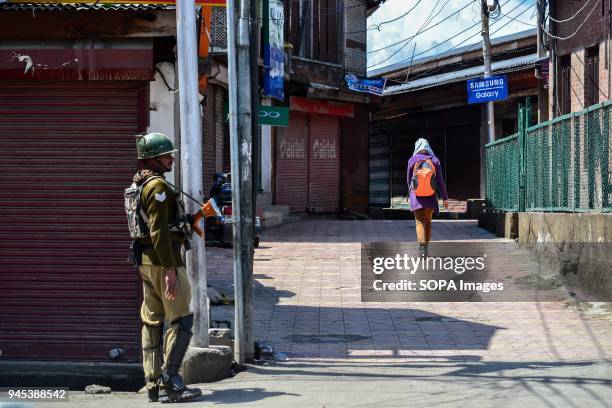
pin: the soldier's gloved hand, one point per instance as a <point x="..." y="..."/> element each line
<point x="171" y="283"/>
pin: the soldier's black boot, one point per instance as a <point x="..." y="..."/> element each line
<point x="173" y="389"/>
<point x="153" y="394"/>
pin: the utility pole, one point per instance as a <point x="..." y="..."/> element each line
<point x="241" y="145"/>
<point x="486" y="53"/>
<point x="254" y="50"/>
<point x="191" y="159"/>
<point x="542" y="94"/>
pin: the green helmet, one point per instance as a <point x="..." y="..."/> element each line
<point x="153" y="144"/>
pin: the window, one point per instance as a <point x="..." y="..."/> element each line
<point x="564" y="86"/>
<point x="312" y="28"/>
<point x="591" y="76"/>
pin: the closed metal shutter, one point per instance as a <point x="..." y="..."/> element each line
<point x="67" y="152"/>
<point x="292" y="163"/>
<point x="354" y="160"/>
<point x="324" y="164"/>
<point x="379" y="187"/>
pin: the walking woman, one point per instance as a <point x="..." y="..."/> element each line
<point x="425" y="184"/>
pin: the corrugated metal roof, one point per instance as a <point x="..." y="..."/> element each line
<point x="455" y="76"/>
<point x="456" y="51"/>
<point x="81" y="6"/>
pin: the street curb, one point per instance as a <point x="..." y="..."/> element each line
<point x="71" y="374"/>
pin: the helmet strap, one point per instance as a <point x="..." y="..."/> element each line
<point x="154" y="164"/>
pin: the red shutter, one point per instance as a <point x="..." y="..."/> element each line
<point x="67" y="152"/>
<point x="354" y="160"/>
<point x="292" y="163"/>
<point x="324" y="166"/>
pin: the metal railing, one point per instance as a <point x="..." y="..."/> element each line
<point x="560" y="165"/>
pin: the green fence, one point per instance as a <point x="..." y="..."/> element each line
<point x="559" y="165"/>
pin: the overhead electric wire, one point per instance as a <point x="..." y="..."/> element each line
<point x="465" y="40"/>
<point x="396" y="18"/>
<point x="590" y="77"/>
<point x="418" y="31"/>
<point x="496" y="13"/>
<point x="422" y="74"/>
<point x="575" y="32"/>
<point x="425" y="30"/>
<point x="429" y="49"/>
<point x="522" y="22"/>
<point x="377" y="26"/>
<point x="431" y="15"/>
<point x="440" y="43"/>
<point x="572" y="17"/>
<point x="454" y="36"/>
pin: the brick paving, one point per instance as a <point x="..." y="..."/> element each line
<point x="307" y="304"/>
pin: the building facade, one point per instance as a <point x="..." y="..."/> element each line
<point x="318" y="163"/>
<point x="320" y="159"/>
<point x="580" y="55"/>
<point x="428" y="98"/>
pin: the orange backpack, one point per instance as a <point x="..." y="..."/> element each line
<point x="423" y="178"/>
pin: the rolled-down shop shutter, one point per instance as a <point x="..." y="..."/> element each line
<point x="324" y="164"/>
<point x="67" y="152"/>
<point x="292" y="163"/>
<point x="308" y="163"/>
<point x="379" y="186"/>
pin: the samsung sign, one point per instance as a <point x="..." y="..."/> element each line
<point x="483" y="90"/>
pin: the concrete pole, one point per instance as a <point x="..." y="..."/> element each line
<point x="254" y="47"/>
<point x="240" y="111"/>
<point x="191" y="159"/>
<point x="486" y="53"/>
<point x="266" y="154"/>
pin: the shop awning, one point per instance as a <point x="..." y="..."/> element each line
<point x="499" y="67"/>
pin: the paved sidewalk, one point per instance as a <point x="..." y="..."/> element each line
<point x="307" y="303"/>
<point x="340" y="352"/>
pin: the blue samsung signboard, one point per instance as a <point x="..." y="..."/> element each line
<point x="373" y="86"/>
<point x="483" y="90"/>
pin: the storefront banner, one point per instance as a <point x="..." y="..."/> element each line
<point x="273" y="115"/>
<point x="373" y="86"/>
<point x="322" y="107"/>
<point x="274" y="54"/>
<point x="267" y="115"/>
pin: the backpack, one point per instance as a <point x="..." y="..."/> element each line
<point x="424" y="178"/>
<point x="138" y="222"/>
<point x="136" y="217"/>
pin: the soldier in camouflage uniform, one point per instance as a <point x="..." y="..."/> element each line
<point x="167" y="291"/>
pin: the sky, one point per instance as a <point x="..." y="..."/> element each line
<point x="421" y="21"/>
